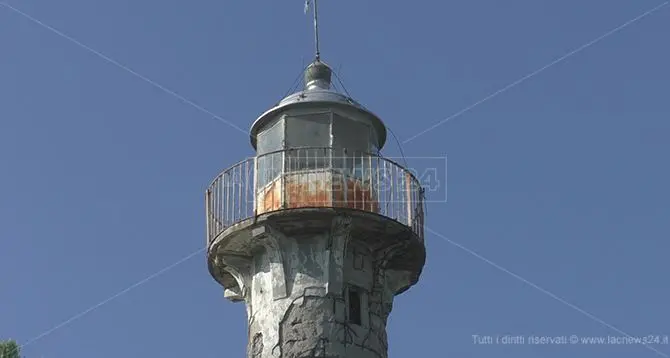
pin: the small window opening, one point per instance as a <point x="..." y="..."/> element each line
<point x="354" y="307"/>
<point x="358" y="260"/>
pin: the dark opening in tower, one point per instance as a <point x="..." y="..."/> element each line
<point x="354" y="314"/>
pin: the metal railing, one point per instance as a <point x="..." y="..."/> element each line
<point x="313" y="177"/>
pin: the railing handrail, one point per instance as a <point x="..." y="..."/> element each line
<point x="225" y="207"/>
<point x="230" y="168"/>
<point x="256" y="157"/>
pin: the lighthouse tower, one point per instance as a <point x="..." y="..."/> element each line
<point x="317" y="232"/>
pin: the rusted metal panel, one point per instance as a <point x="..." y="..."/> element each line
<point x="310" y="189"/>
<point x="353" y="193"/>
<point x="317" y="189"/>
<point x="269" y="198"/>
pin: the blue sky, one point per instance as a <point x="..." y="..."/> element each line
<point x="561" y="180"/>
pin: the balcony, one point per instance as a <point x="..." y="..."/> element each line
<point x="313" y="177"/>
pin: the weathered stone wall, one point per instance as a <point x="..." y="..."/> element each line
<point x="298" y="300"/>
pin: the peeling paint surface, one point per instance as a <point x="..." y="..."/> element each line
<point x="269" y="198"/>
<point x="317" y="189"/>
<point x="313" y="315"/>
<point x="308" y="189"/>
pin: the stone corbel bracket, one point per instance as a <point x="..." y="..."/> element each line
<point x="270" y="239"/>
<point x="392" y="281"/>
<point x="337" y="248"/>
<point x="240" y="268"/>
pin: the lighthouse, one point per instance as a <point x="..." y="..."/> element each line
<point x="318" y="232"/>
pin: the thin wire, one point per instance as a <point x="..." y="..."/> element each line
<point x="337" y="77"/>
<point x="537" y="287"/>
<point x="402" y="153"/>
<point x="111" y="298"/>
<point x="335" y="87"/>
<point x="295" y="82"/>
<point x="536" y="72"/>
<point x="124" y="67"/>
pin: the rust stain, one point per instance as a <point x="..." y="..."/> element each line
<point x="308" y="190"/>
<point x="269" y="199"/>
<point x="321" y="189"/>
<point x="356" y="194"/>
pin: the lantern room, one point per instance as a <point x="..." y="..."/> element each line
<point x="317" y="148"/>
<point x="318" y="117"/>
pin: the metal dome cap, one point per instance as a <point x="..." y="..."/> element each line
<point x="318" y="75"/>
<point x="317" y="94"/>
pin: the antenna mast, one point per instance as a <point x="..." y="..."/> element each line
<point x="316" y="27"/>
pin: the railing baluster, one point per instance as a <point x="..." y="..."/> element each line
<point x="407" y="197"/>
<point x="377" y="187"/>
<point x="393" y="179"/>
<point x="255" y="192"/>
<point x="226" y="185"/>
<point x="208" y="221"/>
<point x="369" y="182"/>
<point x="217" y="203"/>
<point x="328" y="175"/>
<point x="287" y="177"/>
<point x="246" y="188"/>
<point x="386" y="195"/>
<point x="233" y="194"/>
<point x="239" y="192"/>
<point x="282" y="180"/>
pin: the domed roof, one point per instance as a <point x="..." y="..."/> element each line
<point x="317" y="94"/>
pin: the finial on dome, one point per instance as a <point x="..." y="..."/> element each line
<point x="316" y="25"/>
<point x="318" y="76"/>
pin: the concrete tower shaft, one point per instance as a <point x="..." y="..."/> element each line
<point x="317" y="233"/>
